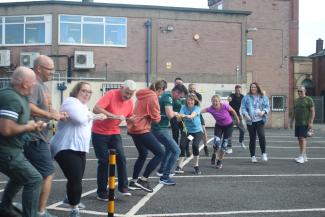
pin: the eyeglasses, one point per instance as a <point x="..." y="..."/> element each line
<point x="86" y="91"/>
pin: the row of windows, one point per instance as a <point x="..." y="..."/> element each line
<point x="73" y="30"/>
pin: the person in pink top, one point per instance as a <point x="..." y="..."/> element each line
<point x="117" y="105"/>
<point x="146" y="111"/>
<point x="223" y="127"/>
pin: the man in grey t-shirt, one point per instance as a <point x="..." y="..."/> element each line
<point x="37" y="149"/>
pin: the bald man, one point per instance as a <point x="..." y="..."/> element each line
<point x="37" y="149"/>
<point x="14" y="126"/>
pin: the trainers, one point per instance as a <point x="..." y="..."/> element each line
<point x="161" y="174"/>
<point x="125" y="192"/>
<point x="80" y="205"/>
<point x="102" y="196"/>
<point x="132" y="186"/>
<point x="144" y="185"/>
<point x="197" y="171"/>
<point x="305" y="158"/>
<point x="46" y="214"/>
<point x="167" y="181"/>
<point x="253" y="159"/>
<point x="229" y="151"/>
<point x="300" y="159"/>
<point x="74" y="213"/>
<point x="264" y="157"/>
<point x="206" y="151"/>
<point x="219" y="164"/>
<point x="242" y="145"/>
<point x="213" y="159"/>
<point x="179" y="170"/>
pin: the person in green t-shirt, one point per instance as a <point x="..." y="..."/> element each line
<point x="14" y="126"/>
<point x="303" y="114"/>
<point x="162" y="132"/>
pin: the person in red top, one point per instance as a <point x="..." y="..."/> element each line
<point x="117" y="105"/>
<point x="146" y="111"/>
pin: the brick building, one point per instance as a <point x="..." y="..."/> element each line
<point x="240" y="42"/>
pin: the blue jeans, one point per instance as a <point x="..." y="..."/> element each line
<point x="102" y="144"/>
<point x="172" y="151"/>
<point x="143" y="143"/>
<point x="21" y="173"/>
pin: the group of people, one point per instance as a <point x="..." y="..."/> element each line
<point x="27" y="148"/>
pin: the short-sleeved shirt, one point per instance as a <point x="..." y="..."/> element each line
<point x="164" y="100"/>
<point x="221" y="116"/>
<point x="15" y="107"/>
<point x="41" y="97"/>
<point x="302" y="110"/>
<point x="236" y="102"/>
<point x="192" y="125"/>
<point x="112" y="102"/>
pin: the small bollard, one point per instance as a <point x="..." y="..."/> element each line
<point x="111" y="184"/>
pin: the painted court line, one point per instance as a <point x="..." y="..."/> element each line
<point x="236" y="212"/>
<point x="146" y="198"/>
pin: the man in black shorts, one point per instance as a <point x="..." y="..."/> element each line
<point x="303" y="114"/>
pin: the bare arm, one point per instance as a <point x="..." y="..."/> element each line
<point x="53" y="115"/>
<point x="234" y="114"/>
<point x="169" y="112"/>
<point x="11" y="128"/>
<point x="97" y="109"/>
<point x="312" y="117"/>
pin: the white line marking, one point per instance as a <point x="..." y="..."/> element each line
<point x="85" y="211"/>
<point x="146" y="198"/>
<point x="1" y="190"/>
<point x="243" y="175"/>
<point x="235" y="212"/>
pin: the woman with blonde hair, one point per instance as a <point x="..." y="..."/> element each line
<point x="223" y="127"/>
<point x="192" y="131"/>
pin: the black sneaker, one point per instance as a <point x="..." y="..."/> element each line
<point x="132" y="186"/>
<point x="219" y="164"/>
<point x="197" y="171"/>
<point x="206" y="151"/>
<point x="213" y="159"/>
<point x="144" y="185"/>
<point x="179" y="170"/>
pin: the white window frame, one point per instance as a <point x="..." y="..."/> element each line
<point x="249" y="42"/>
<point x="284" y="103"/>
<point x="82" y="22"/>
<point x="48" y="29"/>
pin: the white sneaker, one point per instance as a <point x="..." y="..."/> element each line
<point x="229" y="151"/>
<point x="305" y="158"/>
<point x="254" y="160"/>
<point x="264" y="157"/>
<point x="243" y="146"/>
<point x="300" y="159"/>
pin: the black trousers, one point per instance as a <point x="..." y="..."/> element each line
<point x="256" y="128"/>
<point x="73" y="165"/>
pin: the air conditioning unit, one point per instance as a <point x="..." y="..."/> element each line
<point x="27" y="59"/>
<point x="4" y="57"/>
<point x="84" y="60"/>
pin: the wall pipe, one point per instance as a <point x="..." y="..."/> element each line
<point x="148" y="25"/>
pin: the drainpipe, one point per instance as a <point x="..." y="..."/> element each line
<point x="148" y="26"/>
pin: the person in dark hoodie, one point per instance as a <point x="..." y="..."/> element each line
<point x="146" y="111"/>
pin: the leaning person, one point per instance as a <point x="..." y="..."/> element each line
<point x="71" y="142"/>
<point x="117" y="105"/>
<point x="14" y="126"/>
<point x="192" y="131"/>
<point x="222" y="113"/>
<point x="146" y="111"/>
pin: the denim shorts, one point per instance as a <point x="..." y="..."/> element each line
<point x="39" y="155"/>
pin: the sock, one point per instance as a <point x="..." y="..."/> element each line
<point x="180" y="162"/>
<point x="196" y="161"/>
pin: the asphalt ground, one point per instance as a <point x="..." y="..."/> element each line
<point x="279" y="187"/>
